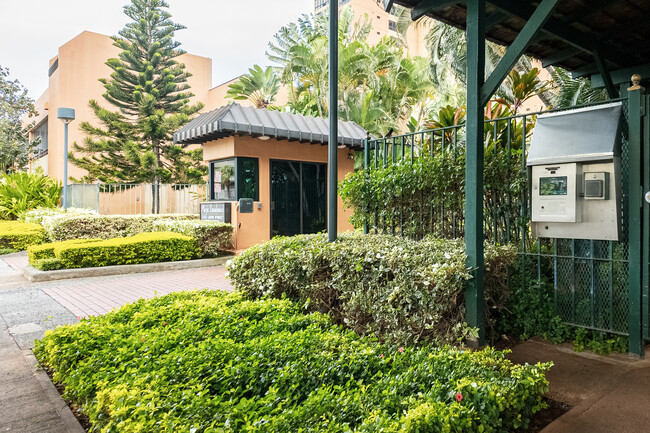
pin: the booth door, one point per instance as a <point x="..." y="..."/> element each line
<point x="298" y="198"/>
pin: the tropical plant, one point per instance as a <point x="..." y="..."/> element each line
<point x="14" y="135"/>
<point x="149" y="89"/>
<point x="573" y="91"/>
<point x="21" y="192"/>
<point x="259" y="86"/>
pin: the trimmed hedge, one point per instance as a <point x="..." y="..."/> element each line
<point x="47" y="251"/>
<point x="212" y="236"/>
<point x="62" y="227"/>
<point x="38" y="215"/>
<point x="17" y="235"/>
<point x="141" y="248"/>
<point x="49" y="264"/>
<point x="212" y="362"/>
<point x="403" y="291"/>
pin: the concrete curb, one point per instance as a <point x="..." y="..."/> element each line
<point x="61" y="407"/>
<point x="35" y="276"/>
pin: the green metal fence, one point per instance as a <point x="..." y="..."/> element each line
<point x="590" y="277"/>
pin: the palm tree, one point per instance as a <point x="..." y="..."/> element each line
<point x="569" y="92"/>
<point x="260" y="86"/>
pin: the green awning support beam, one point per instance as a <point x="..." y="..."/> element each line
<point x="474" y="165"/>
<point x="604" y="72"/>
<point x="533" y="27"/>
<point x="332" y="144"/>
<point x="427" y="6"/>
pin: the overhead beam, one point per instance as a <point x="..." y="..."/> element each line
<point x="525" y="37"/>
<point x="593" y="7"/>
<point x="621" y="76"/>
<point x="428" y="6"/>
<point x="494" y="19"/>
<point x="604" y="72"/>
<point x="388" y="4"/>
<point x="559" y="29"/>
<point x="560" y="56"/>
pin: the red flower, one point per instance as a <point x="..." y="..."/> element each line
<point x="164" y="323"/>
<point x="381" y="356"/>
<point x="400" y="350"/>
<point x="459" y="397"/>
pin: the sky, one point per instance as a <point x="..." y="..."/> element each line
<point x="234" y="34"/>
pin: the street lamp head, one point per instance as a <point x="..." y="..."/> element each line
<point x="65" y="114"/>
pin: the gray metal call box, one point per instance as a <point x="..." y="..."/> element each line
<point x="245" y="205"/>
<point x="574" y="164"/>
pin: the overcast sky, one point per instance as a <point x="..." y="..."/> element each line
<point x="234" y="34"/>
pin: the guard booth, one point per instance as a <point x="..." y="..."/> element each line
<point x="268" y="170"/>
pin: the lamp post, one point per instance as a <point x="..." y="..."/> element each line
<point x="67" y="116"/>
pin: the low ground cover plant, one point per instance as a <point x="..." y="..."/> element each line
<point x="17" y="236"/>
<point x="215" y="362"/>
<point x="403" y="291"/>
<point x="87" y="253"/>
<point x="21" y="192"/>
<point x="67" y="226"/>
<point x="212" y="236"/>
<point x="39" y="214"/>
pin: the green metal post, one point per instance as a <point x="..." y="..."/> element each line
<point x="332" y="157"/>
<point x="636" y="100"/>
<point x="474" y="293"/>
<point x="366" y="164"/>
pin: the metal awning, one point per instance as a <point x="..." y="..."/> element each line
<point x="577" y="32"/>
<point x="585" y="134"/>
<point x="234" y="119"/>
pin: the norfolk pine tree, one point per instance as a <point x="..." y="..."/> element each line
<point x="150" y="91"/>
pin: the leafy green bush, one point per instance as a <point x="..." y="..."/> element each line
<point x="62" y="227"/>
<point x="425" y="195"/>
<point x="213" y="362"/>
<point x="47" y="251"/>
<point x="141" y="248"/>
<point x="20" y="192"/>
<point x="4" y="251"/>
<point x="49" y="264"/>
<point x="402" y="290"/>
<point x="18" y="236"/>
<point x="39" y="214"/>
<point x="212" y="236"/>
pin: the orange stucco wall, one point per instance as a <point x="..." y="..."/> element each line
<point x="255" y="228"/>
<point x="81" y="62"/>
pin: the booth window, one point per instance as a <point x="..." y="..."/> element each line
<point x="234" y="178"/>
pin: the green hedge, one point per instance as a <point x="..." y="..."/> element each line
<point x="142" y="248"/>
<point x="403" y="291"/>
<point x="49" y="264"/>
<point x="47" y="251"/>
<point x="212" y="362"/>
<point x="17" y="235"/>
<point x="62" y="227"/>
<point x="212" y="236"/>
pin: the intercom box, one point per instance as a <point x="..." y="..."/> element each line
<point x="579" y="200"/>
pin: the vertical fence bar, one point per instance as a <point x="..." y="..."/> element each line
<point x="366" y="163"/>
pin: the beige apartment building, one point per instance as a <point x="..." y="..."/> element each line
<point x="74" y="80"/>
<point x="384" y="23"/>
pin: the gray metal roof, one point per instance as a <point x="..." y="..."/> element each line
<point x="584" y="134"/>
<point x="234" y="119"/>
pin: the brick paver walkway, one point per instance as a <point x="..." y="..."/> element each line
<point x="16" y="261"/>
<point x="90" y="298"/>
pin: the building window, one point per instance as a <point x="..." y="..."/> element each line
<point x="40" y="132"/>
<point x="234" y="178"/>
<point x="392" y="25"/>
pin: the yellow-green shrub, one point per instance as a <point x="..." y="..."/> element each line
<point x="47" y="251"/>
<point x="214" y="362"/>
<point x="18" y="235"/>
<point x="142" y="248"/>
